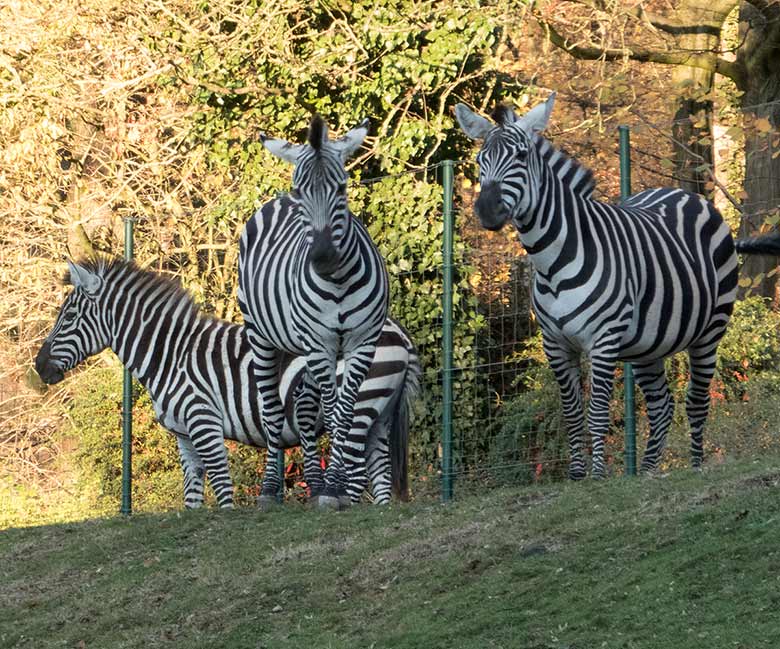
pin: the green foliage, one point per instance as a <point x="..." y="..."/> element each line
<point x="401" y="66"/>
<point x="749" y="425"/>
<point x="528" y="438"/>
<point x="751" y="344"/>
<point x="95" y="414"/>
<point x="408" y="234"/>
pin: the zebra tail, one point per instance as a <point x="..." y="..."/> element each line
<point x="399" y="429"/>
<point x="768" y="244"/>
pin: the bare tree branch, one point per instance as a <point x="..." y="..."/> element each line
<point x="703" y="60"/>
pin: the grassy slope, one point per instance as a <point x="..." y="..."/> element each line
<point x="687" y="561"/>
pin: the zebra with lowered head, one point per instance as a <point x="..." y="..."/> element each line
<point x="197" y="371"/>
<point x="312" y="283"/>
<point x="635" y="282"/>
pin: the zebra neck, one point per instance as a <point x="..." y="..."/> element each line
<point x="553" y="231"/>
<point x="348" y="251"/>
<point x="151" y="327"/>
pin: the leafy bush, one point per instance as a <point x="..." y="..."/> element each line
<point x="751" y="344"/>
<point x="528" y="439"/>
<point x="96" y="417"/>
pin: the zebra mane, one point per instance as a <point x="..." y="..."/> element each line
<point x="116" y="269"/>
<point x="577" y="176"/>
<point x="501" y="115"/>
<point x="317" y="130"/>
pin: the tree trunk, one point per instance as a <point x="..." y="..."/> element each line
<point x="692" y="126"/>
<point x="760" y="58"/>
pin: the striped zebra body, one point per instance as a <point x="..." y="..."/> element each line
<point x="635" y="282"/>
<point x="313" y="284"/>
<point x="198" y="373"/>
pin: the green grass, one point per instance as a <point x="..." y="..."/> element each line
<point x="692" y="560"/>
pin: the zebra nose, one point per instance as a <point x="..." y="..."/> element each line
<point x="489" y="207"/>
<point x="324" y="256"/>
<point x="42" y="357"/>
<point x="48" y="372"/>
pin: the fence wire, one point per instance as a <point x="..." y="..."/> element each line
<point x="507" y="423"/>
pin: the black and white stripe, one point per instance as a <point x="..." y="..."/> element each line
<point x="313" y="284"/>
<point x="634" y="282"/>
<point x="197" y="370"/>
<point x="384" y="399"/>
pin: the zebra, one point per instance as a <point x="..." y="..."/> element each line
<point x="197" y="371"/>
<point x="312" y="283"/>
<point x="634" y="282"/>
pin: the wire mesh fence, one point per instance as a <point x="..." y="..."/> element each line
<point x="507" y="426"/>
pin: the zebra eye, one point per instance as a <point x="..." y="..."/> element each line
<point x="69" y="316"/>
<point x="522" y="154"/>
<point x="294" y="193"/>
<point x="343" y="189"/>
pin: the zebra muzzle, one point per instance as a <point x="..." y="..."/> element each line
<point x="490" y="208"/>
<point x="45" y="366"/>
<point x="324" y="256"/>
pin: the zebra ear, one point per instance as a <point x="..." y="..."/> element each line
<point x="474" y="126"/>
<point x="351" y="142"/>
<point x="84" y="279"/>
<point x="282" y="148"/>
<point x="536" y="119"/>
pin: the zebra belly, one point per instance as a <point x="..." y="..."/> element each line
<point x="650" y="333"/>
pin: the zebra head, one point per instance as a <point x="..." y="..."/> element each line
<point x="79" y="331"/>
<point x="320" y="188"/>
<point x="509" y="164"/>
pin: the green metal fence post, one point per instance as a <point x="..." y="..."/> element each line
<point x="127" y="406"/>
<point x="446" y="334"/>
<point x="628" y="371"/>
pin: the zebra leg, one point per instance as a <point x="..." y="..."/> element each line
<point x="697" y="401"/>
<point x="602" y="380"/>
<point x="651" y="378"/>
<point x="322" y="369"/>
<point x="348" y="433"/>
<point x="207" y="438"/>
<point x="265" y="367"/>
<point x="565" y="365"/>
<point x="378" y="463"/>
<point x="355" y="462"/>
<point x="353" y="425"/>
<point x="194" y="473"/>
<point x="306" y="410"/>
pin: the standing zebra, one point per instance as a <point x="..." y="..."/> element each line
<point x="633" y="282"/>
<point x="197" y="371"/>
<point x="312" y="283"/>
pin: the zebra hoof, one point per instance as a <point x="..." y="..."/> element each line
<point x="649" y="471"/>
<point x="345" y="502"/>
<point x="598" y="474"/>
<point x="576" y="473"/>
<point x="267" y="502"/>
<point x="330" y="503"/>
